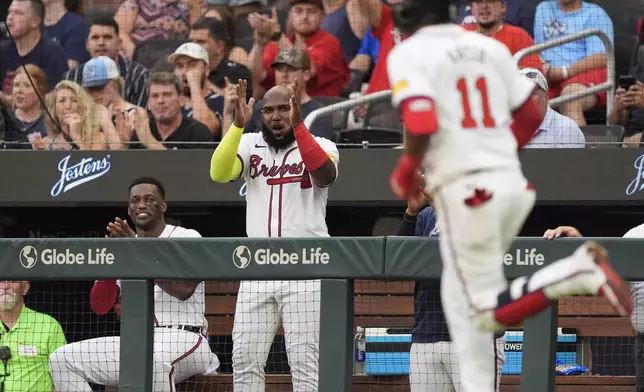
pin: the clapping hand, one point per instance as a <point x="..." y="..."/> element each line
<point x="120" y="229"/>
<point x="295" y="114"/>
<point x="243" y="109"/>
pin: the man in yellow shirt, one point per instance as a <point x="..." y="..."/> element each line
<point x="31" y="337"/>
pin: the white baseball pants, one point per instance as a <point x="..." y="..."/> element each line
<point x="434" y="367"/>
<point x="177" y="356"/>
<point x="261" y="307"/>
<point x="473" y="242"/>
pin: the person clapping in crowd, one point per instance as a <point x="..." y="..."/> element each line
<point x="101" y="78"/>
<point x="77" y="122"/>
<point x="199" y="99"/>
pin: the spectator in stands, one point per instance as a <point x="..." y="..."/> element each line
<point x="31" y="337"/>
<point x="68" y="29"/>
<point x="236" y="54"/>
<point x="519" y="13"/>
<point x="556" y="130"/>
<point x="212" y="35"/>
<point x="144" y="20"/>
<point x="572" y="67"/>
<point x="168" y="125"/>
<point x="489" y="16"/>
<point x="240" y="7"/>
<point x="628" y="110"/>
<point x="102" y="80"/>
<point x="362" y="65"/>
<point x="291" y="64"/>
<point x="104" y="40"/>
<point x="77" y="123"/>
<point x="199" y="99"/>
<point x="329" y="71"/>
<point x="24" y="21"/>
<point x="433" y="359"/>
<point x="380" y="18"/>
<point x="337" y="21"/>
<point x="27" y="110"/>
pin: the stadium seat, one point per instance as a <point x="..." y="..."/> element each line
<point x="624" y="18"/>
<point x="383" y="115"/>
<point x="150" y="52"/>
<point x="603" y="136"/>
<point x="339" y="116"/>
<point x="626" y="47"/>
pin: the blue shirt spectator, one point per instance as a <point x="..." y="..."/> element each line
<point x="370" y="46"/>
<point x="337" y="24"/>
<point x="520" y="13"/>
<point x="551" y="23"/>
<point x="71" y="33"/>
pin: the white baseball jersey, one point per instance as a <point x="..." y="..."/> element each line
<point x="475" y="86"/>
<point x="282" y="200"/>
<point x="637" y="288"/>
<point x="170" y="311"/>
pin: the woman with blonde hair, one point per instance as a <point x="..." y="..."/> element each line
<point x="76" y="121"/>
<point x="29" y="87"/>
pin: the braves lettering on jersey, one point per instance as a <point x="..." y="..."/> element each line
<point x="167" y="309"/>
<point x="474" y="126"/>
<point x="282" y="200"/>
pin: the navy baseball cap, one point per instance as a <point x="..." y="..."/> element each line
<point x="99" y="71"/>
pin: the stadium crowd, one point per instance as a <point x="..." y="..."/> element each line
<point x="152" y="76"/>
<point x="71" y="82"/>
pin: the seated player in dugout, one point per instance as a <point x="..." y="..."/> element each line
<point x="30" y="336"/>
<point x="579" y="64"/>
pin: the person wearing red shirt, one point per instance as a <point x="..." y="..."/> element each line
<point x="489" y="16"/>
<point x="329" y="70"/>
<point x="381" y="19"/>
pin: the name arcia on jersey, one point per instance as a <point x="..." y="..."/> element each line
<point x="285" y="173"/>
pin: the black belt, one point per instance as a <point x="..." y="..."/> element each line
<point x="189" y="328"/>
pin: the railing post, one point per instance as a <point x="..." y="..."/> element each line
<point x="539" y="352"/>
<point x="137" y="336"/>
<point x="336" y="335"/>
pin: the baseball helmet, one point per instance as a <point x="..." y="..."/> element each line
<point x="409" y="15"/>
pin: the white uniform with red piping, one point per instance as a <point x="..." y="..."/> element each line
<point x="282" y="201"/>
<point x="178" y="353"/>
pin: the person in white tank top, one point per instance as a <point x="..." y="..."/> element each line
<point x="181" y="348"/>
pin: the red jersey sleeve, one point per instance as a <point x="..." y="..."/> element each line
<point x="270" y="52"/>
<point x="328" y="59"/>
<point x="386" y="20"/>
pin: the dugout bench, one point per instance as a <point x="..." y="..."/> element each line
<point x="380" y="303"/>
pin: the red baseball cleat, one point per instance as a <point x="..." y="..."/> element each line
<point x="616" y="290"/>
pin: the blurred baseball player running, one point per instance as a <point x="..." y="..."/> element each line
<point x="181" y="347"/>
<point x="288" y="172"/>
<point x="467" y="110"/>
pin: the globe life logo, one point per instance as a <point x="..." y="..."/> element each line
<point x="94" y="256"/>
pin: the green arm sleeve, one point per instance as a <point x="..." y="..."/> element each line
<point x="224" y="165"/>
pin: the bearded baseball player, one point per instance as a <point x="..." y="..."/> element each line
<point x="288" y="172"/>
<point x="181" y="347"/>
<point x="467" y="111"/>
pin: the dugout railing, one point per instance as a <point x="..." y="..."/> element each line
<point x="608" y="86"/>
<point x="337" y="261"/>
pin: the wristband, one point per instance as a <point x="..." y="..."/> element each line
<point x="565" y="71"/>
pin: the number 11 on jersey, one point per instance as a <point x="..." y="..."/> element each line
<point x="468" y="121"/>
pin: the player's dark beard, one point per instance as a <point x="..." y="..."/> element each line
<point x="277" y="144"/>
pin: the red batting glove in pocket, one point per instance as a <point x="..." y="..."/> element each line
<point x="479" y="197"/>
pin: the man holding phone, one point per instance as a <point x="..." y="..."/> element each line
<point x="628" y="107"/>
